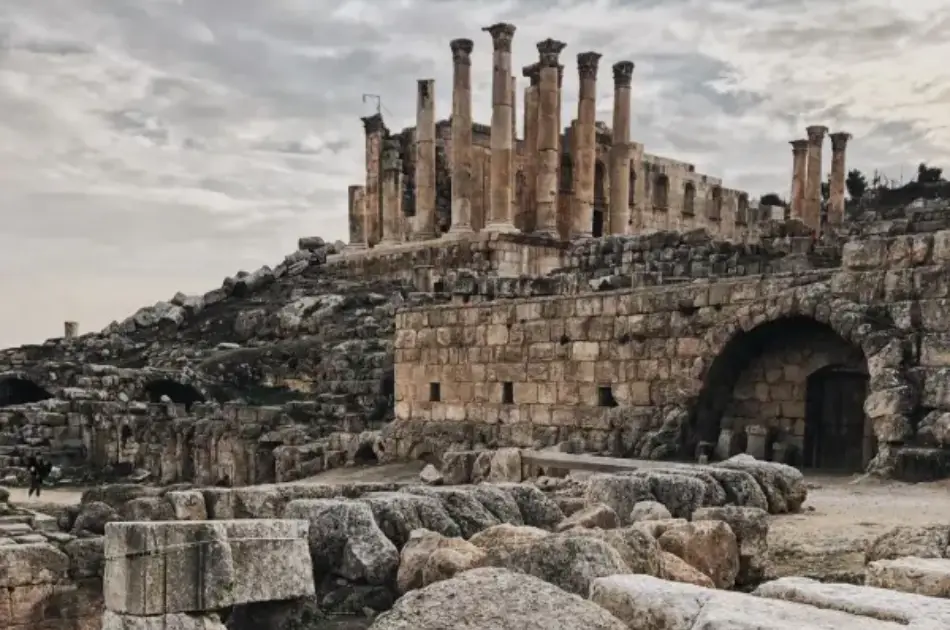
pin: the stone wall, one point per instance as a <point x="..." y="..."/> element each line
<point x="641" y="371"/>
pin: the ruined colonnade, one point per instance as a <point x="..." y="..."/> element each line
<point x="375" y="206"/>
<point x="807" y="178"/>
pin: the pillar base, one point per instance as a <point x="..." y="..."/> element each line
<point x="551" y="233"/>
<point x="352" y="248"/>
<point x="501" y="228"/>
<point x="431" y="236"/>
<point x="388" y="242"/>
<point x="460" y="228"/>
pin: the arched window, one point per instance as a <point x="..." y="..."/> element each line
<point x="20" y="391"/>
<point x="567" y="173"/>
<point x="714" y="208"/>
<point x="178" y="393"/>
<point x="742" y="210"/>
<point x="689" y="199"/>
<point x="661" y="192"/>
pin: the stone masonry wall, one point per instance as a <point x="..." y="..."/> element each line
<point x="537" y="371"/>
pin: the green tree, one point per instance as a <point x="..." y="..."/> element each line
<point x="856" y="183"/>
<point x="771" y="199"/>
<point x="928" y="175"/>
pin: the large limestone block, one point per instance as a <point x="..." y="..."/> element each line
<point x="191" y="566"/>
<point x="929" y="541"/>
<point x="429" y="557"/>
<point x="917" y="611"/>
<point x="751" y="527"/>
<point x="32" y="564"/>
<point x="923" y="576"/>
<point x="709" y="546"/>
<point x="494" y="599"/>
<point x="176" y="621"/>
<point x="345" y="540"/>
<point x="650" y="603"/>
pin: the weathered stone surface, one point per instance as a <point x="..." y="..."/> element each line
<point x="506" y="534"/>
<point x="919" y="542"/>
<point x="923" y="576"/>
<point x="649" y="511"/>
<point x="648" y="602"/>
<point x="345" y="540"/>
<point x="175" y="621"/>
<point x="751" y="528"/>
<point x="599" y="515"/>
<point x="709" y="546"/>
<point x="187" y="566"/>
<point x="494" y="599"/>
<point x="676" y="569"/>
<point x="428" y="557"/>
<point x="31" y="564"/>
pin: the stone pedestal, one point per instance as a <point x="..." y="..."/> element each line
<point x="836" y="184"/>
<point x="375" y="132"/>
<point x="816" y="137"/>
<point x="549" y="131"/>
<point x="424" y="221"/>
<point x="392" y="194"/>
<point x="724" y="445"/>
<point x="799" y="178"/>
<point x="356" y="202"/>
<point x="70" y="329"/>
<point x="531" y="105"/>
<point x="756" y="440"/>
<point x="619" y="211"/>
<point x="461" y="136"/>
<point x="585" y="165"/>
<point x="502" y="143"/>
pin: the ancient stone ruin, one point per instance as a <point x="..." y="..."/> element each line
<point x="607" y="374"/>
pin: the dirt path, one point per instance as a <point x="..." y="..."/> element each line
<point x="50" y="496"/>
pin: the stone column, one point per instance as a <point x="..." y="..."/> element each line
<point x="799" y="178"/>
<point x="499" y="214"/>
<point x="356" y="199"/>
<point x="549" y="133"/>
<point x="531" y="96"/>
<point x="461" y="136"/>
<point x="392" y="193"/>
<point x="816" y="137"/>
<point x="70" y="329"/>
<point x="585" y="166"/>
<point x="513" y="161"/>
<point x="424" y="221"/>
<point x="374" y="128"/>
<point x="839" y="141"/>
<point x="620" y="150"/>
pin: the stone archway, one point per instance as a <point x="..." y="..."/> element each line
<point x="877" y="350"/>
<point x="178" y="393"/>
<point x="16" y="389"/>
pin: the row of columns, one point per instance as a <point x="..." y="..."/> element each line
<point x="807" y="177"/>
<point x="542" y="128"/>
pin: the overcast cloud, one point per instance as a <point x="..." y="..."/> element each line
<point x="151" y="146"/>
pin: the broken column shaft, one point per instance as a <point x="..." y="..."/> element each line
<point x="585" y="167"/>
<point x="502" y="144"/>
<point x="839" y="142"/>
<point x="424" y="223"/>
<point x="620" y="150"/>
<point x="375" y="130"/>
<point x="461" y="135"/>
<point x="531" y="102"/>
<point x="549" y="131"/>
<point x="799" y="178"/>
<point x="392" y="193"/>
<point x="356" y="203"/>
<point x="816" y="137"/>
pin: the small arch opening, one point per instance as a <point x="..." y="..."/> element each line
<point x="21" y="391"/>
<point x="742" y="209"/>
<point x="689" y="198"/>
<point x="365" y="455"/>
<point x="661" y="192"/>
<point x="714" y="208"/>
<point x="178" y="393"/>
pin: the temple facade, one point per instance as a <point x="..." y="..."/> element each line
<point x="455" y="176"/>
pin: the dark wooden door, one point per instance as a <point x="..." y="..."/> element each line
<point x="834" y="424"/>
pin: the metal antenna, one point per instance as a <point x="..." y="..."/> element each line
<point x="379" y="101"/>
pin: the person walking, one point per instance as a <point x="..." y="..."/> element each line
<point x="38" y="468"/>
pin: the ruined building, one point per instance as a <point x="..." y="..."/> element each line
<point x="470" y="309"/>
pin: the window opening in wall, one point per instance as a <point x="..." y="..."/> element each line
<point x="438" y="287"/>
<point x="435" y="392"/>
<point x="564" y="340"/>
<point x="605" y="396"/>
<point x="508" y="393"/>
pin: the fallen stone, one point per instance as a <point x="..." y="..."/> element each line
<point x="176" y="621"/>
<point x="751" y="528"/>
<point x="649" y="511"/>
<point x="598" y="515"/>
<point x="923" y="576"/>
<point x="429" y="557"/>
<point x="187" y="566"/>
<point x="676" y="569"/>
<point x="709" y="546"/>
<point x="918" y="542"/>
<point x="431" y="476"/>
<point x="494" y="599"/>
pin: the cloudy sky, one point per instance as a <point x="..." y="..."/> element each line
<point x="151" y="146"/>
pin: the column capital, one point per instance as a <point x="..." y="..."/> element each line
<point x="839" y="140"/>
<point x="373" y="124"/>
<point x="462" y="51"/>
<point x="587" y="63"/>
<point x="799" y="146"/>
<point x="623" y="74"/>
<point x="501" y="35"/>
<point x="425" y="88"/>
<point x="549" y="52"/>
<point x="816" y="133"/>
<point x="532" y="72"/>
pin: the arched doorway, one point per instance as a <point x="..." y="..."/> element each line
<point x="20" y="391"/>
<point x="176" y="392"/>
<point x="789" y="390"/>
